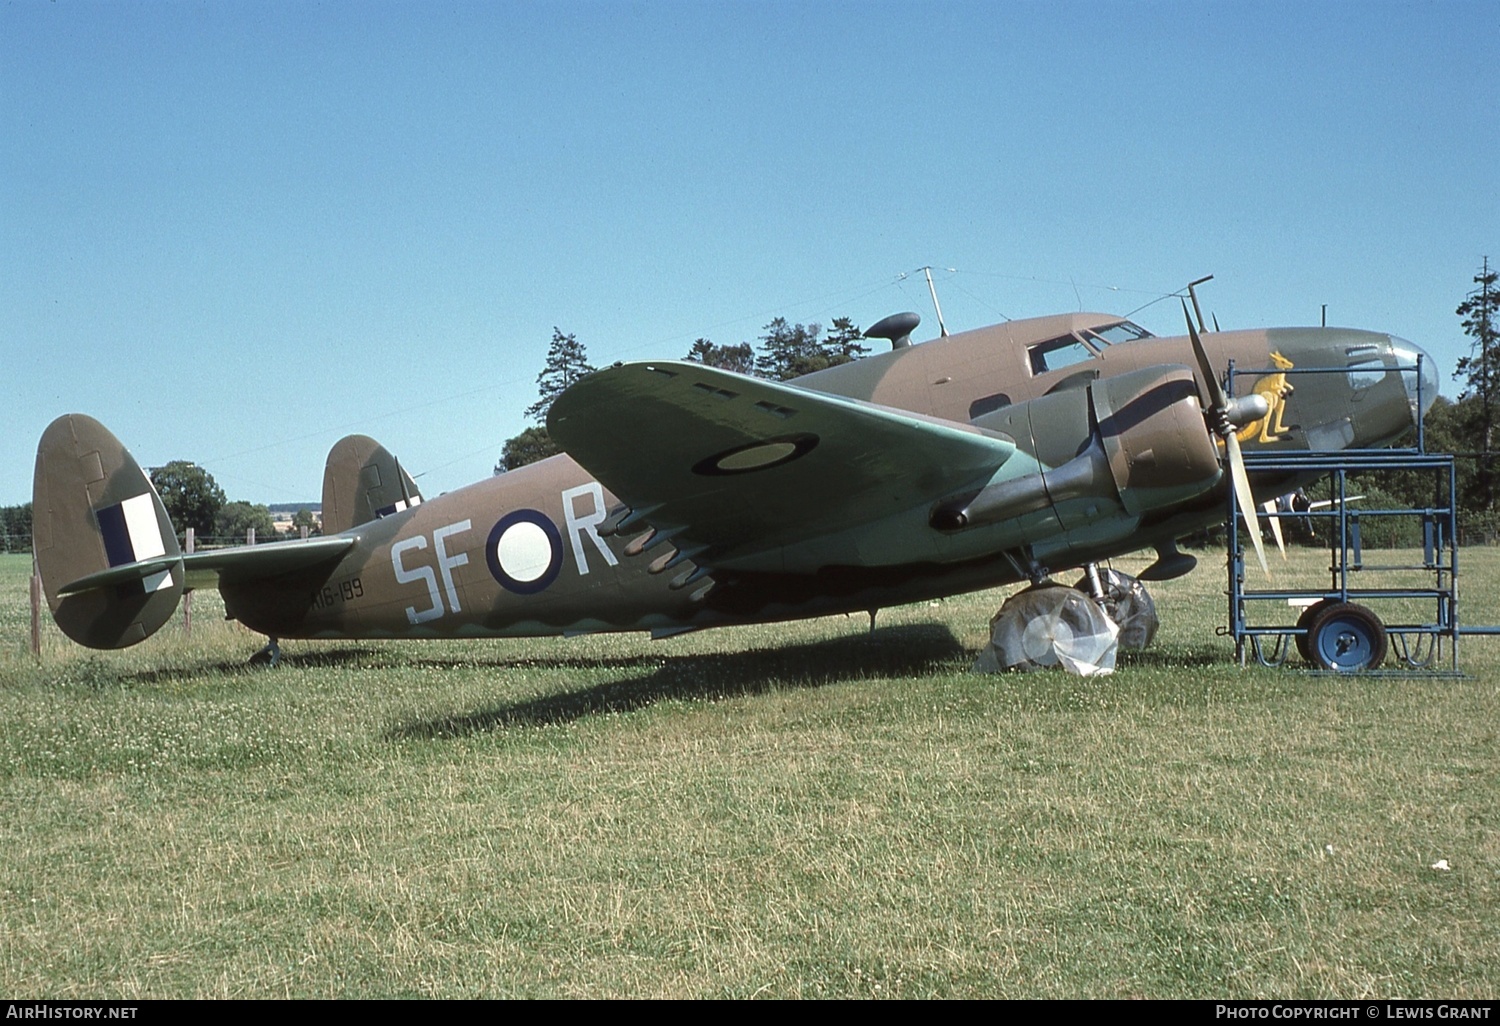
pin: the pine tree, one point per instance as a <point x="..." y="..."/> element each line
<point x="845" y="342"/>
<point x="740" y="358"/>
<point x="567" y="362"/>
<point x="1480" y="370"/>
<point x="789" y="350"/>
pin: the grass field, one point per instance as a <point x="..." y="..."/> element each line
<point x="803" y="810"/>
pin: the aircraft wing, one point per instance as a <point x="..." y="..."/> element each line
<point x="731" y="465"/>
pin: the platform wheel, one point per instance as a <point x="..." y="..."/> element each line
<point x="1304" y="624"/>
<point x="1347" y="638"/>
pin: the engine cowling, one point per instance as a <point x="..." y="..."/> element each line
<point x="1138" y="442"/>
<point x="1151" y="427"/>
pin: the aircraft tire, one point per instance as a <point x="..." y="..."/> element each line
<point x="1050" y="625"/>
<point x="1129" y="606"/>
<point x="269" y="656"/>
<point x="1347" y="638"/>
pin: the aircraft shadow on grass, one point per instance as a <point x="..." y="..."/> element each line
<point x="891" y="651"/>
<point x="99" y="675"/>
<point x="236" y="667"/>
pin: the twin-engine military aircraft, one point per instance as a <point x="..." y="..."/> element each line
<point x="692" y="497"/>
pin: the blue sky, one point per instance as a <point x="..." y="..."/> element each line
<point x="236" y="231"/>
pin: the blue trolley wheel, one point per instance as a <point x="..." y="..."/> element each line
<point x="1347" y="638"/>
<point x="1304" y="623"/>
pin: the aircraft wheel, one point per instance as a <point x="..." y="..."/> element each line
<point x="1050" y="625"/>
<point x="268" y="656"/>
<point x="1129" y="605"/>
<point x="1347" y="638"/>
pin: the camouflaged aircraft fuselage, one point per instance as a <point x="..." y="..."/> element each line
<point x="692" y="497"/>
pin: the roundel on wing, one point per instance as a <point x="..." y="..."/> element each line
<point x="524" y="551"/>
<point x="744" y="459"/>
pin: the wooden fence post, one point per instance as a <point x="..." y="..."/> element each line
<point x="36" y="610"/>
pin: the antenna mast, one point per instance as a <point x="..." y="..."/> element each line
<point x="942" y="328"/>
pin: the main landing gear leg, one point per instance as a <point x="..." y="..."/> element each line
<point x="268" y="656"/>
<point x="1095" y="586"/>
<point x="1125" y="601"/>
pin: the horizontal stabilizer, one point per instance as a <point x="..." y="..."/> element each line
<point x="143" y="571"/>
<point x="212" y="567"/>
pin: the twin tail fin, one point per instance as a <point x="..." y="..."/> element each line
<point x="105" y="547"/>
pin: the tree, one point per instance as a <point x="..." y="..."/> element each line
<point x="15" y="528"/>
<point x="845" y="342"/>
<point x="789" y="350"/>
<point x="303" y="518"/>
<point x="1480" y="370"/>
<point x="740" y="358"/>
<point x="567" y="362"/>
<point x="529" y="446"/>
<point x="190" y="494"/>
<point x="235" y="518"/>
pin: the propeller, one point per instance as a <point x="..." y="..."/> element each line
<point x="1225" y="416"/>
<point x="1275" y="521"/>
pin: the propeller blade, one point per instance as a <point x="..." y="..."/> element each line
<point x="1217" y="399"/>
<point x="1218" y="410"/>
<point x="1244" y="498"/>
<point x="1275" y="521"/>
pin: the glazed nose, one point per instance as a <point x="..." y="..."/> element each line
<point x="1419" y="374"/>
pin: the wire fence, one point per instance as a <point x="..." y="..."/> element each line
<point x="21" y="543"/>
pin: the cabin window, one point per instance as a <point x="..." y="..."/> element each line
<point x="1114" y="334"/>
<point x="989" y="404"/>
<point x="1054" y="354"/>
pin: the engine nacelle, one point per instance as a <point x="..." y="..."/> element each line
<point x="1137" y="441"/>
<point x="1152" y="430"/>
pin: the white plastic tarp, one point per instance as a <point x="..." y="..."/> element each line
<point x="1050" y="625"/>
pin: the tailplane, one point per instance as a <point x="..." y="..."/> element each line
<point x="362" y="482"/>
<point x="108" y="556"/>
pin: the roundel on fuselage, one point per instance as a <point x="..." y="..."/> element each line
<point x="524" y="551"/>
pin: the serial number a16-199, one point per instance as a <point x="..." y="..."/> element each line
<point x="343" y="591"/>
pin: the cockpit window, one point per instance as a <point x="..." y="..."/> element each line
<point x="1367" y="372"/>
<point x="1114" y="334"/>
<point x="1057" y="353"/>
